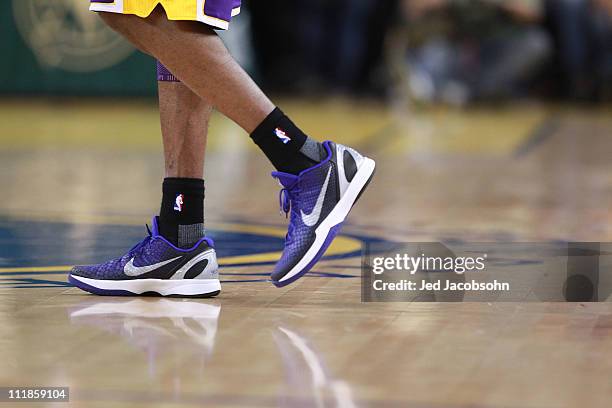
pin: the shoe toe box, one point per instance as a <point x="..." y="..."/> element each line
<point x="109" y="270"/>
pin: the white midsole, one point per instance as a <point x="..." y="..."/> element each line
<point x="164" y="287"/>
<point x="336" y="216"/>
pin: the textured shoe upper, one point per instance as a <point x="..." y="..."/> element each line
<point x="307" y="198"/>
<point x="152" y="258"/>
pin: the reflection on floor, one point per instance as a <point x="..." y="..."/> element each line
<point x="162" y="328"/>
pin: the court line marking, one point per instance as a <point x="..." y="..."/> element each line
<point x="227" y="262"/>
<point x="36" y="269"/>
<point x="343" y="244"/>
<point x="540" y="134"/>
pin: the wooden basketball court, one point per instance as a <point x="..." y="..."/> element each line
<point x="80" y="179"/>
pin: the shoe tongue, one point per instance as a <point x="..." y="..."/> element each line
<point x="154" y="226"/>
<point x="287" y="180"/>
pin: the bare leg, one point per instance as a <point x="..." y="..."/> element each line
<point x="184" y="122"/>
<point x="198" y="57"/>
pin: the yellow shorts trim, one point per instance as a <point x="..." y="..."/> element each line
<point x="190" y="10"/>
<point x="174" y="9"/>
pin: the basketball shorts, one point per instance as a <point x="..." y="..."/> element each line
<point x="215" y="13"/>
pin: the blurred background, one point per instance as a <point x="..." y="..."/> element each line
<point x="455" y="52"/>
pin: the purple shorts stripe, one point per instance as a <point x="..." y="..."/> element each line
<point x="164" y="75"/>
<point x="221" y="9"/>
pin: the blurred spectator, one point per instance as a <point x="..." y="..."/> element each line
<point x="460" y="51"/>
<point x="320" y="45"/>
<point x="454" y="51"/>
<point x="582" y="32"/>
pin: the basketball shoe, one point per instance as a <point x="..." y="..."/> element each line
<point x="154" y="267"/>
<point x="319" y="199"/>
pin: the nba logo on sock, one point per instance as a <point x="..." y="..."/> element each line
<point x="178" y="203"/>
<point x="280" y="133"/>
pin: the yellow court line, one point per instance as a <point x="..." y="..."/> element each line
<point x="37" y="269"/>
<point x="341" y="244"/>
<point x="478" y="130"/>
<point x="338" y="247"/>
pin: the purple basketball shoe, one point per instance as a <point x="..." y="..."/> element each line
<point x="154" y="267"/>
<point x="319" y="199"/>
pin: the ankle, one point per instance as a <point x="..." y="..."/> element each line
<point x="286" y="146"/>
<point x="181" y="217"/>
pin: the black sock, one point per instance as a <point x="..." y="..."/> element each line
<point x="181" y="218"/>
<point x="285" y="145"/>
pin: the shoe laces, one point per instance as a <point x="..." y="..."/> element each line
<point x="138" y="247"/>
<point x="288" y="199"/>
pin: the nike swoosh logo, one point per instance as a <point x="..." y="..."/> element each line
<point x="130" y="270"/>
<point x="312" y="218"/>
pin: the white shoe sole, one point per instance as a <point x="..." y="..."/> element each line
<point x="161" y="287"/>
